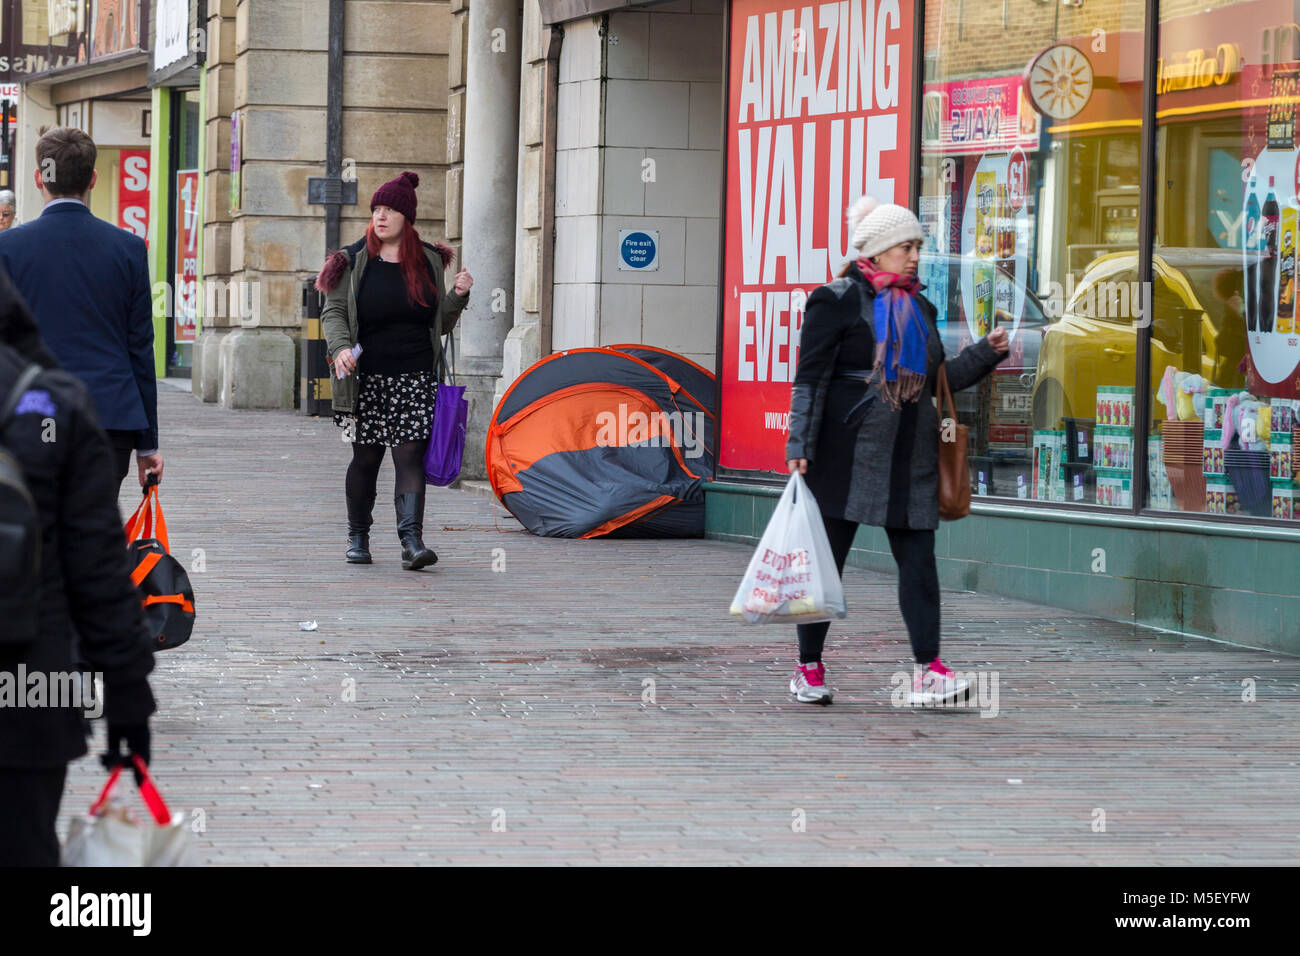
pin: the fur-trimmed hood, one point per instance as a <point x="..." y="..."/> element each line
<point x="338" y="262"/>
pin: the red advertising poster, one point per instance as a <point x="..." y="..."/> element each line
<point x="819" y="112"/>
<point x="187" y="254"/>
<point x="133" y="192"/>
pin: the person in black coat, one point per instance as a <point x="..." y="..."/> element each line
<point x="865" y="432"/>
<point x="85" y="596"/>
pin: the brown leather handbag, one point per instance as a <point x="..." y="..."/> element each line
<point x="954" y="473"/>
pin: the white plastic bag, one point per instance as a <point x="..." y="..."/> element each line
<point x="792" y="576"/>
<point x="109" y="835"/>
<point x="113" y="839"/>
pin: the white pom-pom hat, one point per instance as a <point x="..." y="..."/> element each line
<point x="875" y="226"/>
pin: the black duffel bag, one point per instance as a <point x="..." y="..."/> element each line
<point x="164" y="586"/>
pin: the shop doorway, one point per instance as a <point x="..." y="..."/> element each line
<point x="183" y="225"/>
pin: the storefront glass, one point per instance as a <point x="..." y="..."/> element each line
<point x="1031" y="132"/>
<point x="1032" y="157"/>
<point x="9" y="96"/>
<point x="1225" y="337"/>
<point x="184" y="230"/>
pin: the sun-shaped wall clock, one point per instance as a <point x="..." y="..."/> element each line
<point x="1060" y="81"/>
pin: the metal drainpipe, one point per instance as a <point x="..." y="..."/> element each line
<point x="550" y="123"/>
<point x="334" y="121"/>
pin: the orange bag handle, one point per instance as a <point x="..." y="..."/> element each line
<point x="140" y="524"/>
<point x="180" y="599"/>
<point x="136" y="521"/>
<point x="144" y="567"/>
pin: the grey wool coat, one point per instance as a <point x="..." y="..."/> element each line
<point x="339" y="279"/>
<point x="847" y="431"/>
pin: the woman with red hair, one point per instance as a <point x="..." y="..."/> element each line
<point x="386" y="310"/>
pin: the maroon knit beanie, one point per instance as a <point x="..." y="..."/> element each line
<point x="398" y="194"/>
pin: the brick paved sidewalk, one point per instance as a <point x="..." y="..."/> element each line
<point x="502" y="716"/>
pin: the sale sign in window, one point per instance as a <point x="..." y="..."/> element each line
<point x="819" y="113"/>
<point x="187" y="254"/>
<point x="133" y="192"/>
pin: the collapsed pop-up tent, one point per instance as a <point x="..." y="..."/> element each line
<point x="605" y="442"/>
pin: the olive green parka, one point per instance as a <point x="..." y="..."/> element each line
<point x="339" y="279"/>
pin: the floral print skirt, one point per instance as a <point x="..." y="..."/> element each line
<point x="391" y="409"/>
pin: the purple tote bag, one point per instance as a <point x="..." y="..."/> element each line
<point x="447" y="436"/>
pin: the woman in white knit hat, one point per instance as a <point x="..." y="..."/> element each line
<point x="865" y="433"/>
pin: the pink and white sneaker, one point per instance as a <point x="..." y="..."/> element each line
<point x="809" y="684"/>
<point x="936" y="684"/>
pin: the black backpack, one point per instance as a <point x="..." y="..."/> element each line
<point x="20" y="533"/>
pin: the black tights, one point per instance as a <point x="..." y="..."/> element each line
<point x="918" y="589"/>
<point x="363" y="472"/>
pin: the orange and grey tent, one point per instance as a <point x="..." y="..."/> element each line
<point x="599" y="442"/>
<point x="696" y="379"/>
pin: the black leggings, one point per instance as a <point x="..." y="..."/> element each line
<point x="363" y="471"/>
<point x="918" y="589"/>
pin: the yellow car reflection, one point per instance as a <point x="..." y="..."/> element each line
<point x="1197" y="323"/>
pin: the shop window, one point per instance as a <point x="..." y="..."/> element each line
<point x="1029" y="196"/>
<point x="1224" y="341"/>
<point x="184" y="227"/>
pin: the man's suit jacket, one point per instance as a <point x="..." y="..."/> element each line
<point x="87" y="282"/>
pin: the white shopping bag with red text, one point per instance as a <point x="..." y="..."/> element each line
<point x="792" y="576"/>
<point x="110" y="835"/>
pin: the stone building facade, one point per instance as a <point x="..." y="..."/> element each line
<point x="611" y="122"/>
<point x="616" y="122"/>
<point x="539" y="133"/>
<point x="639" y="147"/>
<point x="267" y="66"/>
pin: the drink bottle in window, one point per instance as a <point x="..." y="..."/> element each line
<point x="1004" y="293"/>
<point x="1250" y="245"/>
<point x="1286" y="286"/>
<point x="986" y="211"/>
<point x="1268" y="260"/>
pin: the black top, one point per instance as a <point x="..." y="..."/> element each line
<point x="394" y="333"/>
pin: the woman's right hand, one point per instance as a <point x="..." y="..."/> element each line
<point x="345" y="362"/>
<point x="798" y="464"/>
<point x="999" y="340"/>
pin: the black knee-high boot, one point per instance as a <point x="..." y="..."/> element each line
<point x="360" y="517"/>
<point x="410" y="528"/>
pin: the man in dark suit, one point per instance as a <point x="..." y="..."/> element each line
<point x="87" y="281"/>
